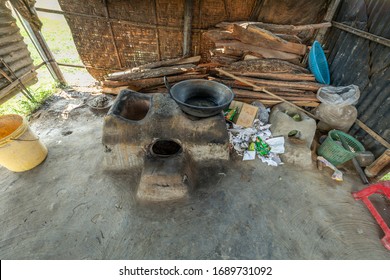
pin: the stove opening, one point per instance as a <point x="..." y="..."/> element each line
<point x="165" y="148"/>
<point x="135" y="109"/>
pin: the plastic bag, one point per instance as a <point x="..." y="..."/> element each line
<point x="262" y="113"/>
<point x="340" y="96"/>
<point x="335" y="117"/>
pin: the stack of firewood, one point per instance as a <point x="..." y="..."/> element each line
<point x="267" y="55"/>
<point x="151" y="76"/>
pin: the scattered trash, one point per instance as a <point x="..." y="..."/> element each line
<point x="261" y="147"/>
<point x="256" y="140"/>
<point x="249" y="155"/>
<point x="337" y="174"/>
<point x="276" y="144"/>
<point x="230" y="113"/>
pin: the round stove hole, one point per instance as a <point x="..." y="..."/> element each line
<point x="165" y="148"/>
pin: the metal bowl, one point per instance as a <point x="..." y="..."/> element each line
<point x="201" y="98"/>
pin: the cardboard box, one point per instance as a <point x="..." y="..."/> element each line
<point x="245" y="115"/>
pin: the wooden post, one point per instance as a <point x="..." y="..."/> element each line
<point x="43" y="50"/>
<point x="256" y="10"/>
<point x="328" y="18"/>
<point x="187" y="31"/>
<point x="333" y="6"/>
<point x="380" y="163"/>
<point x="112" y="35"/>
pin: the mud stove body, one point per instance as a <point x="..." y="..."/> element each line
<point x="169" y="150"/>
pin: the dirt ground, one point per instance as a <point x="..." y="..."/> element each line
<point x="69" y="208"/>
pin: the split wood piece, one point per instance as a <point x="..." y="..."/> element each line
<point x="309" y="86"/>
<point x="290" y="38"/>
<point x="227" y="51"/>
<point x="264" y="52"/>
<point x="260" y="37"/>
<point x="274" y="102"/>
<point x="218" y="35"/>
<point x="256" y="95"/>
<point x="276" y="76"/>
<point x="152" y="73"/>
<point x="250" y="57"/>
<point x="169" y="62"/>
<point x="374" y="135"/>
<point x="380" y="163"/>
<point x="209" y="65"/>
<point x="240" y="85"/>
<point x="116" y="90"/>
<point x="163" y="63"/>
<point x="224" y="59"/>
<point x="267" y="66"/>
<point x="264" y="90"/>
<point x="151" y="82"/>
<point x="275" y="28"/>
<point x="155" y="90"/>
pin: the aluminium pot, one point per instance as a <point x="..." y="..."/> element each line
<point x="201" y="98"/>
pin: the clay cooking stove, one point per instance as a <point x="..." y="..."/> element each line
<point x="168" y="150"/>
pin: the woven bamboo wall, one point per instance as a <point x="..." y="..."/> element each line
<point x="15" y="54"/>
<point x="150" y="30"/>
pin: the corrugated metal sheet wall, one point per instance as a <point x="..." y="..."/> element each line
<point x="14" y="52"/>
<point x="354" y="60"/>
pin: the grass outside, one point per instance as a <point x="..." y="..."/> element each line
<point x="60" y="41"/>
<point x="386" y="177"/>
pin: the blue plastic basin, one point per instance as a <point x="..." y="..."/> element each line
<point x="318" y="64"/>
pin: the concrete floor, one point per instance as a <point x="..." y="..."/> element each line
<point x="69" y="208"/>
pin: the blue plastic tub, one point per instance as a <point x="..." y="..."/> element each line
<point x="318" y="64"/>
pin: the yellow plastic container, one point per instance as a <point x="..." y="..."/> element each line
<point x="20" y="148"/>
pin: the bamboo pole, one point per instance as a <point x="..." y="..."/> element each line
<point x="244" y="81"/>
<point x="187" y="29"/>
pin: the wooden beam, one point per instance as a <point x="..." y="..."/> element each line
<point x="363" y="34"/>
<point x="120" y="63"/>
<point x="333" y="6"/>
<point x="43" y="49"/>
<point x="187" y="29"/>
<point x="374" y="135"/>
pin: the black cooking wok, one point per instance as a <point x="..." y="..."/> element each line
<point x="201" y="98"/>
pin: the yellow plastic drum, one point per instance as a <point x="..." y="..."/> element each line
<point x="20" y="148"/>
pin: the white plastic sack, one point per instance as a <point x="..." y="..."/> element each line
<point x="335" y="117"/>
<point x="340" y="96"/>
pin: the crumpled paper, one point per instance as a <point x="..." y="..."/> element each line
<point x="337" y="174"/>
<point x="241" y="137"/>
